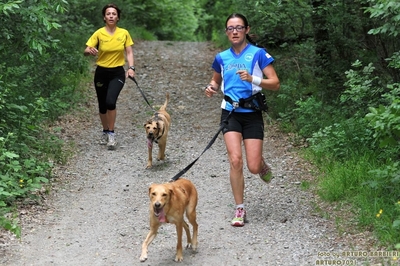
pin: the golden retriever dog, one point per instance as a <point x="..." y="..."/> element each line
<point x="168" y="204"/>
<point x="157" y="128"/>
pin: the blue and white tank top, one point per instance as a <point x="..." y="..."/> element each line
<point x="227" y="63"/>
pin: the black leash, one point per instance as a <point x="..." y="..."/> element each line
<point x="223" y="124"/>
<point x="141" y="92"/>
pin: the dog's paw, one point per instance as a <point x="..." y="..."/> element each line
<point x="191" y="246"/>
<point x="143" y="256"/>
<point x="179" y="258"/>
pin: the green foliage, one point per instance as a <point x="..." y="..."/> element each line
<point x="311" y="115"/>
<point x="385" y="180"/>
<point x="343" y="179"/>
<point x="167" y="20"/>
<point x="38" y="81"/>
<point x="389" y="12"/>
<point x="19" y="178"/>
<point x="394" y="60"/>
<point x="143" y="34"/>
<point x="10" y="224"/>
<point x="385" y="120"/>
<point x="341" y="139"/>
<point x="282" y="104"/>
<point x="209" y="20"/>
<point x="33" y="22"/>
<point x="278" y="22"/>
<point x="10" y="8"/>
<point x="385" y="15"/>
<point x="370" y="188"/>
<point x="353" y="138"/>
<point x="363" y="90"/>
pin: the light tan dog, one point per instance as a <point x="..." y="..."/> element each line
<point x="157" y="129"/>
<point x="168" y="204"/>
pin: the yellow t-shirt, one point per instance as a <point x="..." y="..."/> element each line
<point x="111" y="47"/>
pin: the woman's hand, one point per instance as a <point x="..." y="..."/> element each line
<point x="90" y="51"/>
<point x="210" y="90"/>
<point x="244" y="75"/>
<point x="130" y="73"/>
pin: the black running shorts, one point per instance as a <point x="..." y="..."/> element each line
<point x="251" y="125"/>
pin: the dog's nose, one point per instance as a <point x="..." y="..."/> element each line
<point x="157" y="205"/>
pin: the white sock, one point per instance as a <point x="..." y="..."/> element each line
<point x="240" y="206"/>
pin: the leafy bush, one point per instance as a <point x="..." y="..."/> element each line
<point x="38" y="81"/>
<point x="386" y="181"/>
<point x="385" y="120"/>
<point x="312" y="115"/>
<point x="342" y="140"/>
<point x="19" y="177"/>
<point x="363" y="89"/>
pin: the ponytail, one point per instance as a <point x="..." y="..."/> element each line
<point x="250" y="40"/>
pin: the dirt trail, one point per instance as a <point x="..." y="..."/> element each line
<point x="97" y="211"/>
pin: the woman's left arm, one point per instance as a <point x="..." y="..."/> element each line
<point x="131" y="61"/>
<point x="272" y="81"/>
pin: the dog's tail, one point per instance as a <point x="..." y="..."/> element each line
<point x="164" y="106"/>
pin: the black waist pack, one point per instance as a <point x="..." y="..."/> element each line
<point x="255" y="102"/>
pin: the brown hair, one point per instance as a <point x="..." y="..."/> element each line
<point x="246" y="24"/>
<point x="113" y="6"/>
<point x="237" y="15"/>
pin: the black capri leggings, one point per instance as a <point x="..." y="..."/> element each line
<point x="108" y="83"/>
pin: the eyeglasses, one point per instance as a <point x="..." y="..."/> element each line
<point x="237" y="28"/>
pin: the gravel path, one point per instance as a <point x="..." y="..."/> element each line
<point x="97" y="211"/>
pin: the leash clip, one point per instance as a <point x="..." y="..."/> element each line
<point x="235" y="105"/>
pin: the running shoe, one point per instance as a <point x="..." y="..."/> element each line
<point x="103" y="138"/>
<point x="240" y="218"/>
<point x="266" y="173"/>
<point x="112" y="142"/>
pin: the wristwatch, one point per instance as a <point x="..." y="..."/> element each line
<point x="132" y="67"/>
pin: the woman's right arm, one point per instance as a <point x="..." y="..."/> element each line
<point x="212" y="87"/>
<point x="91" y="45"/>
<point x="90" y="51"/>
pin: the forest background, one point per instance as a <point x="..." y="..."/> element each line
<point x="338" y="62"/>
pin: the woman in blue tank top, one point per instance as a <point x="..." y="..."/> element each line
<point x="241" y="71"/>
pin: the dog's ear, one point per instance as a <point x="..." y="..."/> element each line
<point x="160" y="124"/>
<point x="150" y="189"/>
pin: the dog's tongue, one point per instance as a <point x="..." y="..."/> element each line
<point x="149" y="143"/>
<point x="161" y="217"/>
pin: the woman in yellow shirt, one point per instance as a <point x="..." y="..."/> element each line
<point x="110" y="44"/>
